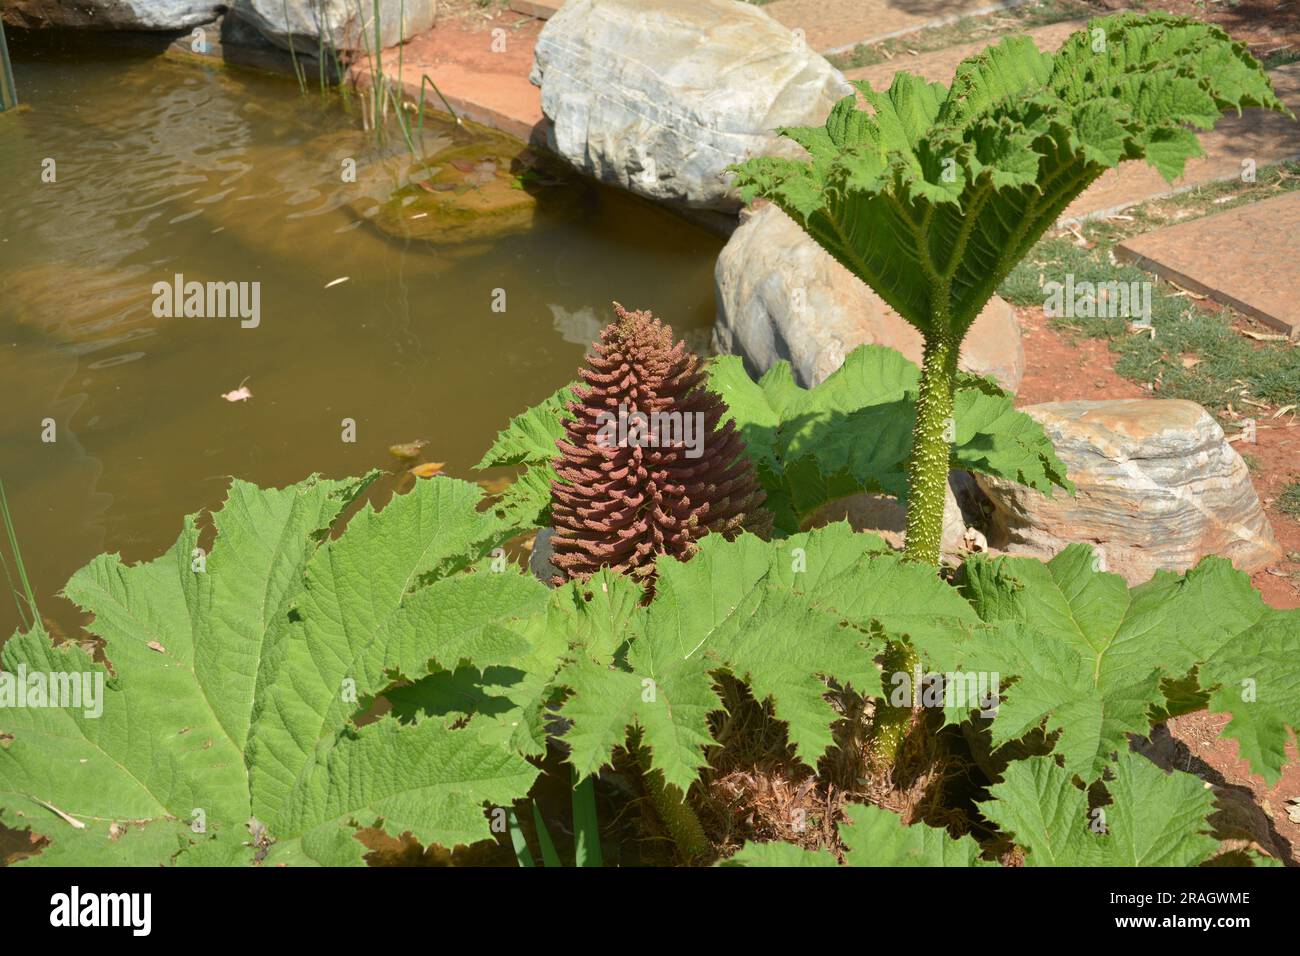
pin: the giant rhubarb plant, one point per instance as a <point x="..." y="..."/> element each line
<point x="936" y="192"/>
<point x="645" y="467"/>
<point x="230" y="728"/>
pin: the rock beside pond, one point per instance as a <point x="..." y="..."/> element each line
<point x="111" y="14"/>
<point x="1159" y="487"/>
<point x="344" y="24"/>
<point x="475" y="192"/>
<point x="661" y="97"/>
<point x="781" y="296"/>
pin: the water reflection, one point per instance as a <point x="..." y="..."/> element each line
<point x="169" y="167"/>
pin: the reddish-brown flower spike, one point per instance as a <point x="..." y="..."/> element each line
<point x="646" y="469"/>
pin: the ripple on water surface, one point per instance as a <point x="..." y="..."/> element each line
<point x="167" y="167"/>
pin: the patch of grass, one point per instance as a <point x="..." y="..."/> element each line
<point x="1026" y="16"/>
<point x="1195" y="353"/>
<point x="1288" y="502"/>
<point x="1195" y="203"/>
<point x="1279" y="58"/>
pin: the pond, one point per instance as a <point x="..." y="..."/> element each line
<point x="163" y="167"/>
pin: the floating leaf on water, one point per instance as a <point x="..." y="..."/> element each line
<point x="408" y="450"/>
<point x="428" y="469"/>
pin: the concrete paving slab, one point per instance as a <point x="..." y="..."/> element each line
<point x="1244" y="257"/>
<point x="483" y="78"/>
<point x="938" y="66"/>
<point x="542" y="9"/>
<point x="836" y="26"/>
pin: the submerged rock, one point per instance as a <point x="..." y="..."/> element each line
<point x="80" y="308"/>
<point x="1159" y="487"/>
<point x="781" y="296"/>
<point x="660" y="98"/>
<point x="474" y="192"/>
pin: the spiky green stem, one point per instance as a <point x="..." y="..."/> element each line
<point x="892" y="722"/>
<point x="927" y="469"/>
<point x="674" y="812"/>
<point x="927" y="481"/>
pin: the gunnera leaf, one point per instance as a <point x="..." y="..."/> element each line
<point x="1092" y="658"/>
<point x="236" y="678"/>
<point x="782" y="616"/>
<point x="872" y="837"/>
<point x="932" y="193"/>
<point x="1154" y="818"/>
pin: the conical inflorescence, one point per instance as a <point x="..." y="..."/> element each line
<point x="646" y="469"/>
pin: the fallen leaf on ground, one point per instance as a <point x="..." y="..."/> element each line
<point x="1186" y="292"/>
<point x="1263" y="336"/>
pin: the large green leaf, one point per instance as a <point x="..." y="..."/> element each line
<point x="932" y="194"/>
<point x="853" y="432"/>
<point x="236" y="677"/>
<point x="530" y="437"/>
<point x="871" y="837"/>
<point x="782" y="616"/>
<point x="1154" y="818"/>
<point x="1089" y="654"/>
<point x="529" y="440"/>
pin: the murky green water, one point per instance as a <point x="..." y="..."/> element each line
<point x="164" y="167"/>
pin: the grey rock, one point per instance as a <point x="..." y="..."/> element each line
<point x="781" y="296"/>
<point x="347" y="24"/>
<point x="539" y="561"/>
<point x="1159" y="487"/>
<point x="344" y="24"/>
<point x="661" y="97"/>
<point x="883" y="515"/>
<point x="111" y="14"/>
